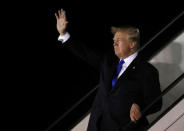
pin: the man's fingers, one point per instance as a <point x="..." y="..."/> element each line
<point x="61" y="10"/>
<point x="59" y="13"/>
<point x="63" y="14"/>
<point x="136" y="111"/>
<point x="137" y="108"/>
<point x="135" y="114"/>
<point x="132" y="117"/>
<point x="56" y="16"/>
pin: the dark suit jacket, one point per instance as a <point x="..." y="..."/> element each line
<point x="111" y="108"/>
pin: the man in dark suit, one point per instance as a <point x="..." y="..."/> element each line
<point x="127" y="83"/>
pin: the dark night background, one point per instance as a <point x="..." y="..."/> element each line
<point x="42" y="76"/>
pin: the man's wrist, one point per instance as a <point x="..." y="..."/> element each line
<point x="64" y="38"/>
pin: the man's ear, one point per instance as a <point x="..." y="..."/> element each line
<point x="132" y="44"/>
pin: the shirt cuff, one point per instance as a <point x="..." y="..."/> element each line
<point x="64" y="38"/>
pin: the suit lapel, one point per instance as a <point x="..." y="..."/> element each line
<point x="131" y="67"/>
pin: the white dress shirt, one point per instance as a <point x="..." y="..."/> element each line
<point x="127" y="61"/>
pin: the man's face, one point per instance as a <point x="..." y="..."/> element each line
<point x="122" y="45"/>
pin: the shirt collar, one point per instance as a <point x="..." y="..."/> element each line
<point x="129" y="59"/>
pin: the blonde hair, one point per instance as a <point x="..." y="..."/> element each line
<point x="133" y="33"/>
